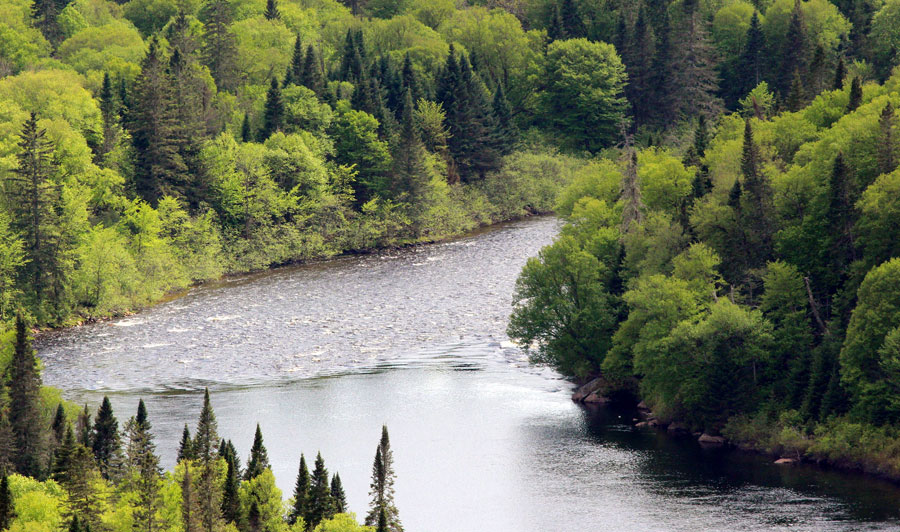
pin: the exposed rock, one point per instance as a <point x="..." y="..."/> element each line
<point x="643" y="407"/>
<point x="596" y="399"/>
<point x="655" y="423"/>
<point x="786" y="461"/>
<point x="678" y="429"/>
<point x="586" y="390"/>
<point x="641" y="424"/>
<point x="707" y="439"/>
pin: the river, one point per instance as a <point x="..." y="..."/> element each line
<point x="322" y="355"/>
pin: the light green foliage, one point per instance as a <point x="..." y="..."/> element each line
<point x="879" y="235"/>
<point x="760" y="102"/>
<point x="401" y="35"/>
<point x="303" y="111"/>
<point x="822" y="20"/>
<point x="12" y="257"/>
<point x="356" y="141"/>
<point x="342" y="523"/>
<point x="433" y="13"/>
<point x="885" y="33"/>
<point x="39" y="505"/>
<point x="264" y="48"/>
<point x="263" y="491"/>
<point x="600" y="179"/>
<point x="149" y="16"/>
<point x="53" y="94"/>
<point x="116" y="48"/>
<point x="582" y="97"/>
<point x="664" y="180"/>
<point x="729" y="28"/>
<point x="20" y="43"/>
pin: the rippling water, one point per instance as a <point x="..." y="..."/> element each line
<point x="321" y="355"/>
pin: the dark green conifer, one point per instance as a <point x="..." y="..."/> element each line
<point x="320" y="507"/>
<point x="272" y="10"/>
<point x="796" y="98"/>
<point x="887" y="141"/>
<point x="312" y="77"/>
<point x="295" y="69"/>
<point x="246" y="134"/>
<point x="338" y="497"/>
<point x="662" y="100"/>
<point x="259" y="457"/>
<point x="507" y="134"/>
<point x="382" y="486"/>
<point x="855" y="94"/>
<point x="186" y="447"/>
<point x="757" y="210"/>
<point x="106" y="444"/>
<point x="572" y="23"/>
<point x="751" y="63"/>
<point x="273" y="115"/>
<point x="219" y="46"/>
<point x="7" y="506"/>
<point x="84" y="427"/>
<point x="45" y="14"/>
<point x="143" y="463"/>
<point x="792" y="56"/>
<point x="839" y="74"/>
<point x="58" y="427"/>
<point x="231" y="502"/>
<point x="410" y="81"/>
<point x="206" y="441"/>
<point x="62" y="454"/>
<point x="109" y="113"/>
<point x="300" y="508"/>
<point x="208" y="487"/>
<point x="555" y="30"/>
<point x="639" y="65"/>
<point x="25" y="406"/>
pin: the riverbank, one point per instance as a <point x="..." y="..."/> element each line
<point x="837" y="443"/>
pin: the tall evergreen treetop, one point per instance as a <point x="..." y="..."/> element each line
<point x="7" y="507"/>
<point x="272" y="12"/>
<point x="320" y="503"/>
<point x="186" y="447"/>
<point x="273" y="116"/>
<point x="338" y="497"/>
<point x="259" y="457"/>
<point x="105" y="440"/>
<point x="206" y="441"/>
<point x="59" y="424"/>
<point x="855" y="94"/>
<point x="24" y="405"/>
<point x="382" y="487"/>
<point x="300" y="509"/>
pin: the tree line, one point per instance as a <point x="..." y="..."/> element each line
<point x="88" y="475"/>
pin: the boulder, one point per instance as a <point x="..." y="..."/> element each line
<point x="596" y="399"/>
<point x="655" y="423"/>
<point x="707" y="439"/>
<point x="786" y="461"/>
<point x="642" y="406"/>
<point x="582" y="392"/>
<point x="641" y="424"/>
<point x="678" y="429"/>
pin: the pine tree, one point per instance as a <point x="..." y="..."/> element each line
<point x="855" y="95"/>
<point x="7" y="507"/>
<point x="382" y="487"/>
<point x="259" y="457"/>
<point x="84" y="427"/>
<point x="273" y="115"/>
<point x="633" y="212"/>
<point x="320" y="504"/>
<point x="219" y="45"/>
<point x="887" y="141"/>
<point x="694" y="81"/>
<point x="338" y="497"/>
<point x="751" y="63"/>
<point x="793" y="51"/>
<point x="209" y="489"/>
<point x="154" y="125"/>
<point x="186" y="447"/>
<point x="109" y="113"/>
<point x="300" y="508"/>
<point x="33" y="199"/>
<point x="312" y="77"/>
<point x="839" y="74"/>
<point x="143" y="463"/>
<point x="272" y="10"/>
<point x="639" y="65"/>
<point x="25" y="406"/>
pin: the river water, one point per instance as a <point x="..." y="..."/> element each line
<point x="322" y="355"/>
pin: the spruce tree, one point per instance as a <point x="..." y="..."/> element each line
<point x="507" y="134"/>
<point x="25" y="406"/>
<point x="80" y="479"/>
<point x="58" y="427"/>
<point x="45" y="14"/>
<point x="841" y="218"/>
<point x="109" y="113"/>
<point x="154" y="125"/>
<point x="259" y="457"/>
<point x="855" y="94"/>
<point x="410" y="81"/>
<point x="63" y="454"/>
<point x="84" y="427"/>
<point x="571" y="20"/>
<point x="143" y="463"/>
<point x="409" y="173"/>
<point x="271" y="12"/>
<point x="190" y="505"/>
<point x="231" y="502"/>
<point x="246" y="133"/>
<point x="295" y="69"/>
<point x="7" y="506"/>
<point x="382" y="486"/>
<point x="757" y="210"/>
<point x="312" y="77"/>
<point x="338" y="497"/>
<point x="209" y="489"/>
<point x="300" y="508"/>
<point x="273" y="116"/>
<point x="555" y="30"/>
<point x="751" y="63"/>
<point x="796" y="99"/>
<point x="840" y="73"/>
<point x="887" y="140"/>
<point x="320" y="504"/>
<point x="694" y="81"/>
<point x="663" y="104"/>
<point x="105" y="440"/>
<point x="219" y="46"/>
<point x="186" y="447"/>
<point x="792" y="55"/>
<point x="639" y="65"/>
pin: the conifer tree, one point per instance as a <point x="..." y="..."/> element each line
<point x="80" y="479"/>
<point x="63" y="453"/>
<point x="795" y="98"/>
<point x="273" y="115"/>
<point x="555" y="30"/>
<point x="190" y="511"/>
<point x="300" y="508"/>
<point x="382" y="486"/>
<point x="633" y="212"/>
<point x="757" y="207"/>
<point x="272" y="10"/>
<point x="186" y="447"/>
<point x="84" y="427"/>
<point x="887" y="141"/>
<point x="338" y="497"/>
<point x="841" y="218"/>
<point x="793" y="51"/>
<point x="814" y="81"/>
<point x="840" y="73"/>
<point x="209" y="489"/>
<point x="312" y="77"/>
<point x="219" y="45"/>
<point x="231" y="503"/>
<point x="7" y="506"/>
<point x="33" y="200"/>
<point x="507" y="134"/>
<point x="353" y="58"/>
<point x="295" y="69"/>
<point x="320" y="504"/>
<point x="155" y="130"/>
<point x="382" y="522"/>
<point x="409" y="173"/>
<point x="58" y="427"/>
<point x="105" y="440"/>
<point x="246" y="133"/>
<point x="855" y="94"/>
<point x="109" y="113"/>
<point x="751" y="62"/>
<point x="639" y="65"/>
<point x="259" y="457"/>
<point x="143" y="463"/>
<point x="410" y="81"/>
<point x="45" y="14"/>
<point x="663" y="104"/>
<point x="25" y="407"/>
<point x="571" y="20"/>
<point x="694" y="79"/>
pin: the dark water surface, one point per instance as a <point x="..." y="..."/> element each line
<point x="322" y="355"/>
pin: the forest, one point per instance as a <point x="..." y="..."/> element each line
<point x="739" y="269"/>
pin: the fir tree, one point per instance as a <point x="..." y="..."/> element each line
<point x="231" y="502"/>
<point x="814" y="81"/>
<point x="25" y="405"/>
<point x="338" y="497"/>
<point x="58" y="427"/>
<point x="300" y="508"/>
<point x="209" y="489"/>
<point x="155" y="130"/>
<point x="382" y="487"/>
<point x="663" y="105"/>
<point x="273" y="115"/>
<point x="887" y="142"/>
<point x="106" y="444"/>
<point x="410" y="81"/>
<point x="259" y="457"/>
<point x="143" y="463"/>
<point x="219" y="45"/>
<point x="45" y="14"/>
<point x="555" y="29"/>
<point x="694" y="81"/>
<point x="409" y="173"/>
<point x="63" y="454"/>
<point x="84" y="427"/>
<point x="751" y="62"/>
<point x="757" y="207"/>
<point x="840" y="73"/>
<point x="295" y="69"/>
<point x="792" y="54"/>
<point x="382" y="522"/>
<point x="639" y="65"/>
<point x="7" y="507"/>
<point x="271" y="12"/>
<point x="841" y="219"/>
<point x="320" y="504"/>
<point x="855" y="94"/>
<point x="246" y="134"/>
<point x="795" y="98"/>
<point x="80" y="479"/>
<point x="507" y="134"/>
<point x="109" y="113"/>
<point x="190" y="511"/>
<point x="571" y="20"/>
<point x="186" y="447"/>
<point x="312" y="77"/>
<point x="352" y="60"/>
